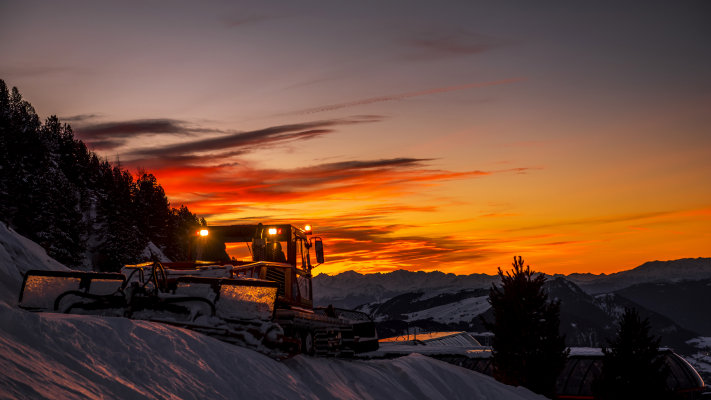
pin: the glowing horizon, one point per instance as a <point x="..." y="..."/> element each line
<point x="447" y="137"/>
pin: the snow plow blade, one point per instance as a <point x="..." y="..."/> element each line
<point x="59" y="291"/>
<point x="242" y="312"/>
<point x="234" y="299"/>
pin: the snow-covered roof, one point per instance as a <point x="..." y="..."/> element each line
<point x="432" y="343"/>
<point x="457" y="338"/>
<point x="586" y="351"/>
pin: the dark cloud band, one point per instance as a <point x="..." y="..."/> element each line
<point x="125" y="129"/>
<point x="245" y="140"/>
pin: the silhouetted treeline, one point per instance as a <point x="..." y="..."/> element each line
<point x="81" y="209"/>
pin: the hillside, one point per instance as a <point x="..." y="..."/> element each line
<point x="51" y="356"/>
<point x="672" y="294"/>
<point x="586" y="320"/>
<point x="686" y="302"/>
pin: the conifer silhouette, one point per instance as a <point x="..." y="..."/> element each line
<point x="528" y="349"/>
<point x="82" y="210"/>
<point x="632" y="367"/>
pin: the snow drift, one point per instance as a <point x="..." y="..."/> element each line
<point x="48" y="356"/>
<point x="17" y="256"/>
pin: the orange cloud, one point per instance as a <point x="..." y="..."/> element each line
<point x="211" y="190"/>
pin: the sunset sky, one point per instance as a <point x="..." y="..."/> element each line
<point x="443" y="136"/>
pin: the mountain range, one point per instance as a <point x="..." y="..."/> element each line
<point x="351" y="289"/>
<point x="675" y="295"/>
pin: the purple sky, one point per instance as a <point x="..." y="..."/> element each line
<point x="573" y="133"/>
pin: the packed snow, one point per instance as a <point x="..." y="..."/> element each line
<point x="463" y="310"/>
<point x="17" y="256"/>
<point x="49" y="356"/>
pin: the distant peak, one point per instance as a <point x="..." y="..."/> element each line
<point x="350" y="273"/>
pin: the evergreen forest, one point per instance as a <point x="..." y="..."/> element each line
<point x="84" y="211"/>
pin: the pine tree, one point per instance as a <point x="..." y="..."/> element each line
<point x="57" y="220"/>
<point x="56" y="192"/>
<point x="528" y="349"/>
<point x="6" y="203"/>
<point x="21" y="154"/>
<point x="152" y="209"/>
<point x="122" y="242"/>
<point x="632" y="366"/>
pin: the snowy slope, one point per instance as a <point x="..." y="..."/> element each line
<point x="60" y="356"/>
<point x="17" y="256"/>
<point x="464" y="310"/>
<point x="52" y="356"/>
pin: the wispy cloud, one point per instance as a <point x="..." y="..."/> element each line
<point x="454" y="43"/>
<point x="136" y="127"/>
<point x="109" y="135"/>
<point x="367" y="240"/>
<point x="358" y="236"/>
<point x="384" y="249"/>
<point x="402" y="96"/>
<point x="242" y="141"/>
<point x="214" y="190"/>
<point x="105" y="144"/>
<point x="80" y="117"/>
<point x="611" y="219"/>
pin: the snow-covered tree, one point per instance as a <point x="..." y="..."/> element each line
<point x="80" y="209"/>
<point x="20" y="151"/>
<point x="122" y="242"/>
<point x="528" y="349"/>
<point x="632" y="366"/>
<point x="36" y="196"/>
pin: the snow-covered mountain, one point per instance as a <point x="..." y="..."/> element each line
<point x="685" y="269"/>
<point x="351" y="289"/>
<point x="673" y="294"/>
<point x="677" y="308"/>
<point x="57" y="356"/>
<point x="586" y="320"/>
